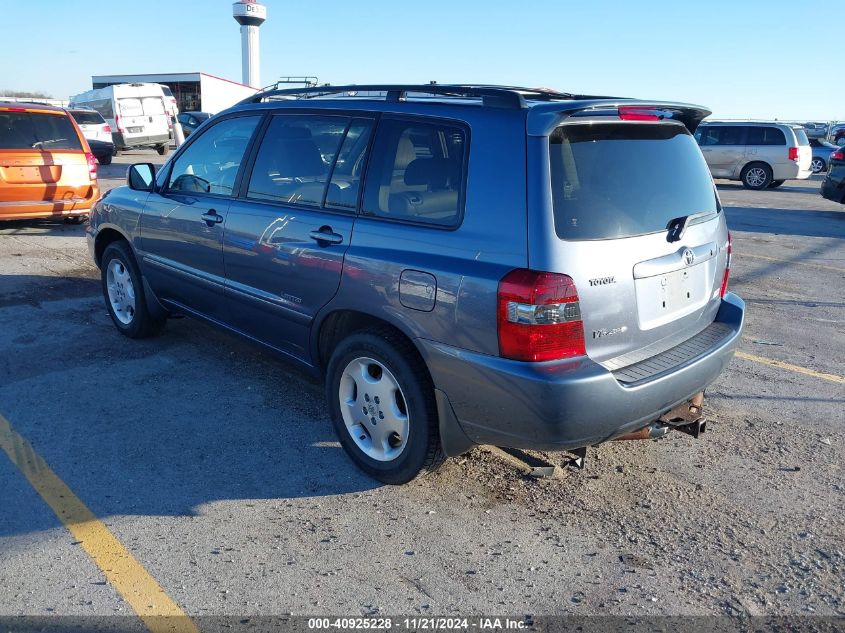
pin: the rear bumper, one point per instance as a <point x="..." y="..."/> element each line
<point x="123" y="141"/>
<point x="48" y="209"/>
<point x="567" y="404"/>
<point x="790" y="171"/>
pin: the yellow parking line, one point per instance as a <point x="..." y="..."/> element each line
<point x="159" y="613"/>
<point x="796" y="368"/>
<point x="790" y="261"/>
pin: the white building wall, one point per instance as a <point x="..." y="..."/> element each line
<point x="219" y="94"/>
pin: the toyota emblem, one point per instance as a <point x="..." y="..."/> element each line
<point x="689" y="257"/>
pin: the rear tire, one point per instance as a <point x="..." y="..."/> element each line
<point x="162" y="149"/>
<point x="123" y="291"/>
<point x="756" y="176"/>
<point x="397" y="439"/>
<point x="75" y="219"/>
<point x="818" y="165"/>
<point x="104" y="160"/>
<point x="776" y="183"/>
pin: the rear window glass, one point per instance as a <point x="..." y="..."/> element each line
<point x="153" y="106"/>
<point x="801" y="135"/>
<point x="613" y="180"/>
<point x="130" y="107"/>
<point x="87" y="118"/>
<point x="31" y="130"/>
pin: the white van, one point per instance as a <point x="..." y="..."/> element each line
<point x="136" y="113"/>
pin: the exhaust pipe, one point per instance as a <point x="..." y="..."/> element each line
<point x="648" y="432"/>
<point x="687" y="418"/>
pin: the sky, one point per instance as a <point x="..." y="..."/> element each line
<point x="741" y="58"/>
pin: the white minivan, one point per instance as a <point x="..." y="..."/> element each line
<point x="136" y="113"/>
<point x="759" y="154"/>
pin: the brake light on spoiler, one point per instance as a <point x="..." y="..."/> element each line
<point x="640" y="113"/>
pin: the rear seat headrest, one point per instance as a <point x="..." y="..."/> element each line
<point x="436" y="173"/>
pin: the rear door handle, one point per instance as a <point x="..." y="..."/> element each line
<point x="211" y="217"/>
<point x="326" y="236"/>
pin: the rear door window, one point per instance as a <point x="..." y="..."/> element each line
<point x="153" y="106"/>
<point x="34" y="130"/>
<point x="615" y="180"/>
<point x="417" y="172"/>
<point x="295" y="158"/>
<point x="130" y="107"/>
<point x="761" y="135"/>
<point x="210" y="163"/>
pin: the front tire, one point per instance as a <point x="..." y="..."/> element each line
<point x="162" y="149"/>
<point x="756" y="176"/>
<point x="123" y="291"/>
<point x="382" y="406"/>
<point x="105" y="159"/>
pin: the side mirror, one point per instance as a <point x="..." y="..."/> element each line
<point x="141" y="176"/>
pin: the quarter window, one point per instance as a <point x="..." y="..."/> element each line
<point x="416" y="172"/>
<point x="210" y="164"/>
<point x="295" y="158"/>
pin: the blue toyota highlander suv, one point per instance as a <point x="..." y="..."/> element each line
<point x="463" y="264"/>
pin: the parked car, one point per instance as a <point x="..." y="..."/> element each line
<point x="833" y="186"/>
<point x="758" y="154"/>
<point x="190" y="121"/>
<point x="97" y="132"/>
<point x="136" y="113"/>
<point x="527" y="269"/>
<point x="838" y="134"/>
<point x="47" y="169"/>
<point x="821" y="154"/>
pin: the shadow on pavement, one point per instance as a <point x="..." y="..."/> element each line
<point x="809" y="223"/>
<point x="162" y="426"/>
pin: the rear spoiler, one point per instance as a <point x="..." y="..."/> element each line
<point x="544" y="118"/>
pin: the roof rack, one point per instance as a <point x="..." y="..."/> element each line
<point x="491" y="96"/>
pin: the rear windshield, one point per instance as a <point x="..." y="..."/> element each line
<point x="801" y="135"/>
<point x="613" y="180"/>
<point x="153" y="106"/>
<point x="32" y="130"/>
<point x="130" y="107"/>
<point x="88" y="118"/>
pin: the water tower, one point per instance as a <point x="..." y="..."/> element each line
<point x="250" y="15"/>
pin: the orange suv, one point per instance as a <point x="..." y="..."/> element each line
<point x="47" y="169"/>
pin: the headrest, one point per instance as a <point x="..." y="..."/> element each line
<point x="436" y="173"/>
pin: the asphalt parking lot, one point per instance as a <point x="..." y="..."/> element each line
<point x="214" y="466"/>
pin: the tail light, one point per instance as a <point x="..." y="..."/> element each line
<point x="92" y="166"/>
<point x="107" y="128"/>
<point x="117" y="123"/>
<point x="539" y="317"/>
<point x="724" y="288"/>
<point x="793" y="154"/>
<point x="838" y="155"/>
<point x="632" y="113"/>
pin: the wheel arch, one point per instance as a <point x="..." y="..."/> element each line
<point x="107" y="235"/>
<point x="339" y="323"/>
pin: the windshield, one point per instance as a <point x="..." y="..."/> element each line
<point x="613" y="180"/>
<point x="31" y="130"/>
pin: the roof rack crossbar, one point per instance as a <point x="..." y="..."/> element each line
<point x="491" y="96"/>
